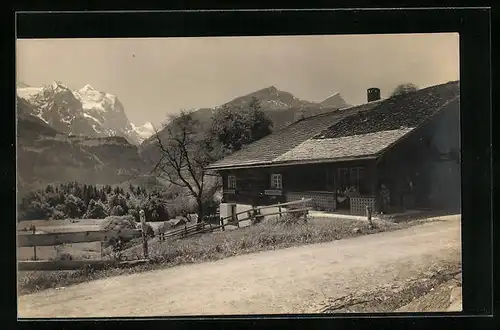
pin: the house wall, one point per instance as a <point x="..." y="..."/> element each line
<point x="316" y="181"/>
<point x="425" y="158"/>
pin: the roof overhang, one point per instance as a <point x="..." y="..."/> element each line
<point x="291" y="163"/>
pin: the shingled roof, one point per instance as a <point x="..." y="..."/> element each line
<point x="355" y="132"/>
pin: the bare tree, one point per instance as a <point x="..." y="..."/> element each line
<point x="403" y="89"/>
<point x="184" y="155"/>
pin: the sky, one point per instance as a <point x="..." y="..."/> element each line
<point x="157" y="77"/>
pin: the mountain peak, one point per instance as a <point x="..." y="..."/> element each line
<point x="56" y="84"/>
<point x="148" y="125"/>
<point x="334" y="100"/>
<point x="21" y="84"/>
<point x="270" y="89"/>
<point x="88" y="88"/>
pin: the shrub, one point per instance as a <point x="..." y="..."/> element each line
<point x="149" y="229"/>
<point x="289" y="219"/>
<point x="57" y="215"/>
<point x="117" y="210"/>
<point x="117" y="223"/>
<point x="134" y="213"/>
<point x="74" y="206"/>
<point x="96" y="210"/>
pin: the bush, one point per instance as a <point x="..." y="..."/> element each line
<point x="75" y="207"/>
<point x="149" y="229"/>
<point x="117" y="210"/>
<point x="57" y="215"/>
<point x="134" y="213"/>
<point x="96" y="210"/>
<point x="117" y="223"/>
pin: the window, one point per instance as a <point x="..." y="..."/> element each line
<point x="231" y="182"/>
<point x="276" y="181"/>
<point x="351" y="177"/>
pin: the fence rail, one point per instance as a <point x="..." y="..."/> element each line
<point x="34" y="239"/>
<point x="50" y="239"/>
<point x="51" y="265"/>
<point x="256" y="210"/>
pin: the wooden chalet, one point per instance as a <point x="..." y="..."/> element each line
<point x="392" y="154"/>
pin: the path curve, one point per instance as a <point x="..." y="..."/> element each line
<point x="292" y="280"/>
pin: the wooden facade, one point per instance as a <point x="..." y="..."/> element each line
<point x="422" y="170"/>
<point x="321" y="182"/>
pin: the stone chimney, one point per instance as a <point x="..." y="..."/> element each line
<point x="373" y="94"/>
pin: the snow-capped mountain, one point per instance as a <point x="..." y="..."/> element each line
<point x="144" y="131"/>
<point x="45" y="155"/>
<point x="334" y="100"/>
<point x="86" y="111"/>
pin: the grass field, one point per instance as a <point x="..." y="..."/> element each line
<point x="89" y="250"/>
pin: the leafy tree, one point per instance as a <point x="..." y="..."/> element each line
<point x="117" y="199"/>
<point x="134" y="213"/>
<point x="239" y="126"/>
<point x="96" y="210"/>
<point x="154" y="207"/>
<point x="57" y="215"/>
<point x="404" y="89"/>
<point x="74" y="206"/>
<point x="117" y="210"/>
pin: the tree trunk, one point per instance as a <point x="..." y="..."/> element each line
<point x="200" y="210"/>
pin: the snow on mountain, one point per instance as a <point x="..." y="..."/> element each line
<point x="27" y="92"/>
<point x="86" y="111"/>
<point x="21" y="84"/>
<point x="144" y="131"/>
<point x="334" y="100"/>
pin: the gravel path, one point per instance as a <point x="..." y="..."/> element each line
<point x="293" y="280"/>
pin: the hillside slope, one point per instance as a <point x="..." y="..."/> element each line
<point x="45" y="155"/>
<point x="282" y="107"/>
<point x="86" y="112"/>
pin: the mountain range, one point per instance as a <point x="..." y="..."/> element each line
<point x="85" y="135"/>
<point x="45" y="155"/>
<point x="86" y="111"/>
<point x="282" y="108"/>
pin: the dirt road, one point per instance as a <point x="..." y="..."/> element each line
<point x="293" y="280"/>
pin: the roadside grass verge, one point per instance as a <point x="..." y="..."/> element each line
<point x="268" y="235"/>
<point x="403" y="294"/>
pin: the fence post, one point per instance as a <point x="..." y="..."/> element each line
<point x="369" y="215"/>
<point x="254" y="214"/>
<point x="142" y="216"/>
<point x="234" y="218"/>
<point x="304" y="213"/>
<point x="222" y="223"/>
<point x="279" y="209"/>
<point x="34" y="247"/>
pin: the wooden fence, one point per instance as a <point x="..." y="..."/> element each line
<point x="51" y="239"/>
<point x="187" y="231"/>
<point x="255" y="215"/>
